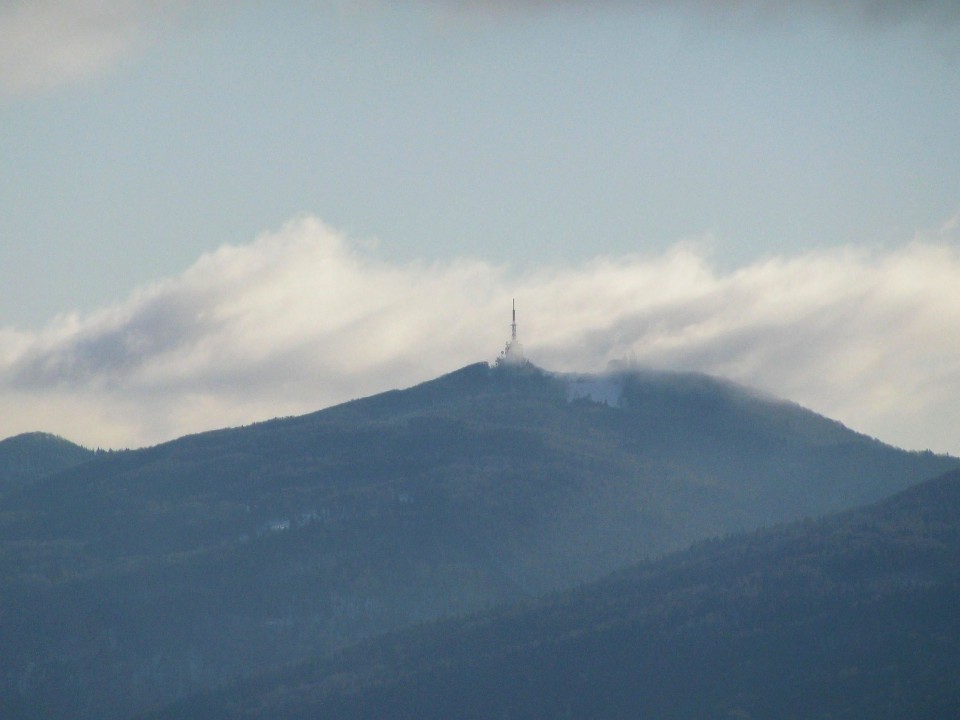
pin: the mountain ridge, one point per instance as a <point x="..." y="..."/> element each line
<point x="28" y="457"/>
<point x="216" y="555"/>
<point x="849" y="616"/>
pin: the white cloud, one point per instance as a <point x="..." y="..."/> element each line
<point x="46" y="43"/>
<point x="303" y="318"/>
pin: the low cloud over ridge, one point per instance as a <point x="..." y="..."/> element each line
<point x="303" y="318"/>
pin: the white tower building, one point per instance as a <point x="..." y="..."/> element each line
<point x="512" y="354"/>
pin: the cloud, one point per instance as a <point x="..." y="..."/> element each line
<point x="293" y="321"/>
<point x="303" y="318"/>
<point x="871" y="12"/>
<point x="50" y="43"/>
<point x="46" y="43"/>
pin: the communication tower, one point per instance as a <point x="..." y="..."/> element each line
<point x="512" y="354"/>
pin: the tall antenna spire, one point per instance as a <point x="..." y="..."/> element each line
<point x="512" y="354"/>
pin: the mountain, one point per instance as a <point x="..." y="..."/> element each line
<point x="31" y="456"/>
<point x="140" y="576"/>
<point x="849" y="617"/>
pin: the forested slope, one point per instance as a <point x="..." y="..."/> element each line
<point x="853" y="616"/>
<point x="31" y="456"/>
<point x="141" y="576"/>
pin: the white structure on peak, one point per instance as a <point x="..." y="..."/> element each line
<point x="512" y="354"/>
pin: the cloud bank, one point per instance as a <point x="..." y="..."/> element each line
<point x="47" y="43"/>
<point x="303" y="318"/>
<point x="50" y="43"/>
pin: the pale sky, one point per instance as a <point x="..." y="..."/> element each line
<point x="213" y="213"/>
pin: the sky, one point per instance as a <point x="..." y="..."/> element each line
<point x="214" y="213"/>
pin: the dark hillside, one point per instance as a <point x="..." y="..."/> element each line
<point x="850" y="617"/>
<point x="143" y="575"/>
<point x="31" y="456"/>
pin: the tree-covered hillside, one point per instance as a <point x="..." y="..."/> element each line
<point x="854" y="616"/>
<point x="30" y="456"/>
<point x="141" y="576"/>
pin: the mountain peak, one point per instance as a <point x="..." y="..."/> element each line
<point x="258" y="546"/>
<point x="33" y="455"/>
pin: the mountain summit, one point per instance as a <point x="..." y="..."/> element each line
<point x="31" y="456"/>
<point x="143" y="575"/>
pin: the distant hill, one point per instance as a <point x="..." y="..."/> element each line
<point x="850" y="617"/>
<point x="141" y="576"/>
<point x="31" y="456"/>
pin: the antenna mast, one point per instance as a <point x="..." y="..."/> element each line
<point x="512" y="354"/>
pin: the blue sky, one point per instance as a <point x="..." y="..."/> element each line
<point x="482" y="150"/>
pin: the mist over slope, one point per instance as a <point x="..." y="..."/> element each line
<point x="142" y="576"/>
<point x="852" y="616"/>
